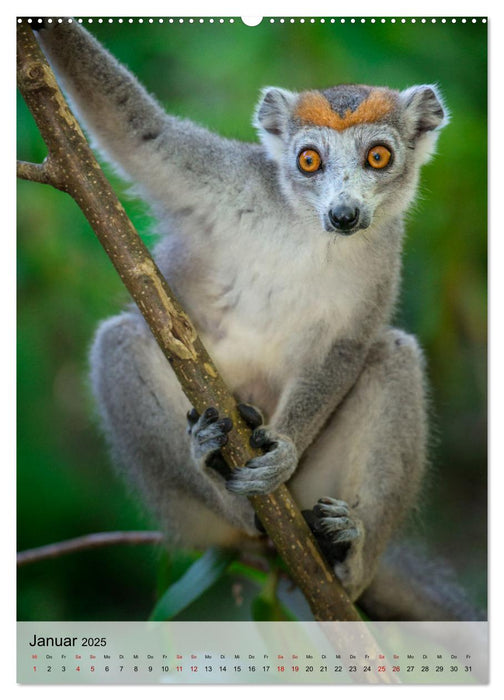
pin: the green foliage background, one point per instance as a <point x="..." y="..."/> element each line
<point x="212" y="73"/>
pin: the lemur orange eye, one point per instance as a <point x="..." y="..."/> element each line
<point x="378" y="156"/>
<point x="309" y="161"/>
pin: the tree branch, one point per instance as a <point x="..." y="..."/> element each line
<point x="33" y="171"/>
<point x="72" y="167"/>
<point x="92" y="541"/>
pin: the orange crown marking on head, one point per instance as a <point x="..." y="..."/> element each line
<point x="314" y="108"/>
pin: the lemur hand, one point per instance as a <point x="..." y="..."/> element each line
<point x="265" y="473"/>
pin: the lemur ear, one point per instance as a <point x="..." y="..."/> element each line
<point x="273" y="110"/>
<point x="272" y="116"/>
<point x="423" y="108"/>
<point x="425" y="115"/>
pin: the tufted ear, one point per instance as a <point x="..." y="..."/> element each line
<point x="272" y="116"/>
<point x="425" y="114"/>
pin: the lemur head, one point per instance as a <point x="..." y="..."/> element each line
<point x="352" y="153"/>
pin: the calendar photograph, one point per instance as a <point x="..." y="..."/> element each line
<point x="252" y="350"/>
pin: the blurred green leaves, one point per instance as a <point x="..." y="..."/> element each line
<point x="198" y="578"/>
<point x="190" y="583"/>
<point x="266" y="606"/>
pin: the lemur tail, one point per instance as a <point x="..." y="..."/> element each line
<point x="411" y="586"/>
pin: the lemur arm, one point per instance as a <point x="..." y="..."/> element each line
<point x="305" y="405"/>
<point x="309" y="399"/>
<point x="170" y="158"/>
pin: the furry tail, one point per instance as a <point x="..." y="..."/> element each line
<point x="410" y="586"/>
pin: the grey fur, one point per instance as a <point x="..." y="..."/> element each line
<point x="295" y="315"/>
<point x="346" y="97"/>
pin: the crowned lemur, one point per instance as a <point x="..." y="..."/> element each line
<point x="286" y="255"/>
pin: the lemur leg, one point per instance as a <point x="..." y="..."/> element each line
<point x="144" y="412"/>
<point x="367" y="464"/>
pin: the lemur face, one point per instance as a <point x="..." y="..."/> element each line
<point x="350" y="154"/>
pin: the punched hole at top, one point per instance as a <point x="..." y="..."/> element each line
<point x="251" y="21"/>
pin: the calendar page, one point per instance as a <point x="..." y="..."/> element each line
<point x="258" y="456"/>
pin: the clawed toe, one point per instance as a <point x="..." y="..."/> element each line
<point x="334" y="527"/>
<point x="208" y="432"/>
<point x="251" y="415"/>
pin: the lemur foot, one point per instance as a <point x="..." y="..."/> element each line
<point x="265" y="473"/>
<point x="334" y="527"/>
<point x="208" y="432"/>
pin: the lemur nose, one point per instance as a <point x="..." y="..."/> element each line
<point x="344" y="218"/>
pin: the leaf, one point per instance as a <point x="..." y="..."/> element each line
<point x="266" y="607"/>
<point x="250" y="573"/>
<point x="173" y="564"/>
<point x="266" y="610"/>
<point x="206" y="571"/>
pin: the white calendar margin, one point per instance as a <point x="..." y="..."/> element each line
<point x="316" y="8"/>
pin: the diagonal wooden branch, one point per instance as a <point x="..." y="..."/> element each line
<point x="71" y="166"/>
